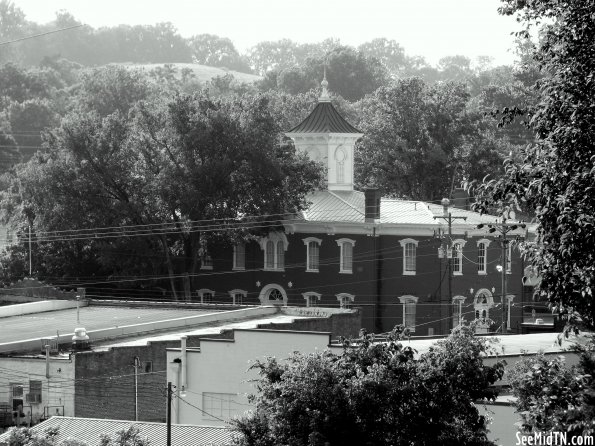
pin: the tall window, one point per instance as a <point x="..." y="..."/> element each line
<point x="34" y="395"/>
<point x="482" y="256"/>
<point x="409" y="256"/>
<point x="340" y="157"/>
<point x="274" y="247"/>
<point x="509" y="258"/>
<point x="346" y="255"/>
<point x="312" y="253"/>
<point x="409" y="307"/>
<point x="457" y="257"/>
<point x="239" y="256"/>
<point x="457" y="310"/>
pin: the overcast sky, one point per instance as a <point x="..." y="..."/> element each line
<point x="429" y="28"/>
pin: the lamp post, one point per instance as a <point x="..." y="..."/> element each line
<point x="503" y="228"/>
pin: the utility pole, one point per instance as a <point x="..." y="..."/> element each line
<point x="449" y="218"/>
<point x="169" y="396"/>
<point x="503" y="228"/>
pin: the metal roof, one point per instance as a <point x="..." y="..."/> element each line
<point x="89" y="430"/>
<point x="349" y="207"/>
<point x="324" y="119"/>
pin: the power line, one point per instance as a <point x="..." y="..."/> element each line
<point x="41" y="34"/>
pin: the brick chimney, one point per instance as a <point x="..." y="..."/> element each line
<point x="372" y="200"/>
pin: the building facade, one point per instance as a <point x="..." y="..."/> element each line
<point x="425" y="265"/>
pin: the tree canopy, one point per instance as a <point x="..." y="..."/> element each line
<point x="374" y="393"/>
<point x="555" y="176"/>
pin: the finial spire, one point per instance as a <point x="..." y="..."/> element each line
<point x="324" y="96"/>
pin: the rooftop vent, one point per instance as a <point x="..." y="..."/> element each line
<point x="80" y="340"/>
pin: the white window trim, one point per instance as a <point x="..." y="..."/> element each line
<point x="409" y="300"/>
<point x="234" y="267"/>
<point x="206" y="267"/>
<point x="276" y="238"/>
<point x="486" y="243"/>
<point x="233" y="294"/>
<point x="311" y="297"/>
<point x="459" y="301"/>
<point x="345" y="299"/>
<point x="404" y="244"/>
<point x="480" y="306"/>
<point x="307" y="243"/>
<point x="340" y="243"/>
<point x="460" y="255"/>
<point x="202" y="292"/>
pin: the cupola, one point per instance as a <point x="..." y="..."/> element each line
<point x="328" y="138"/>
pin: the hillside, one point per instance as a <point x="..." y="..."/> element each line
<point x="203" y="73"/>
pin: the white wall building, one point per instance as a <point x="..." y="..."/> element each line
<point x="216" y="379"/>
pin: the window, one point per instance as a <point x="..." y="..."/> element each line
<point x="409" y="306"/>
<point x="509" y="258"/>
<point x="206" y="262"/>
<point x="147" y="366"/>
<point x="312" y="253"/>
<point x="34" y="395"/>
<point x="409" y="256"/>
<point x="457" y="257"/>
<point x="311" y="298"/>
<point x="237" y="296"/>
<point x="346" y="255"/>
<point x="340" y="157"/>
<point x="482" y="304"/>
<point x="274" y="247"/>
<point x="219" y="405"/>
<point x="482" y="256"/>
<point x="345" y="300"/>
<point x="206" y="296"/>
<point x="457" y="310"/>
<point x="239" y="256"/>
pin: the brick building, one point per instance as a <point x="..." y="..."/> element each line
<point x="357" y="248"/>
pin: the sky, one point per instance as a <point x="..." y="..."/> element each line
<point x="429" y="28"/>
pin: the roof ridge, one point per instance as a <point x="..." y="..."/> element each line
<point x="346" y="202"/>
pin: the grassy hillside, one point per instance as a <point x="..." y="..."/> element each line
<point x="202" y="72"/>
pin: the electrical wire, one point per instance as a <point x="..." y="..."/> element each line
<point x="40" y="34"/>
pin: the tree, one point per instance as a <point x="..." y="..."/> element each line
<point x="374" y="393"/>
<point x="389" y="52"/>
<point x="215" y="51"/>
<point x="554" y="397"/>
<point x="127" y="156"/>
<point x="555" y="177"/>
<point x="415" y="136"/>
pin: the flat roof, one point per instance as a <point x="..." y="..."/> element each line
<point x="213" y="329"/>
<point x="94" y="317"/>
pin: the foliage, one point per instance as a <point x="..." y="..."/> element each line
<point x="374" y="393"/>
<point x="125" y="437"/>
<point x="127" y="156"/>
<point x="28" y="437"/>
<point x="416" y="136"/>
<point x="553" y="397"/>
<point x="555" y="177"/>
<point x="215" y="51"/>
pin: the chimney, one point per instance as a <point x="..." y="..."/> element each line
<point x="372" y="200"/>
<point x="460" y="199"/>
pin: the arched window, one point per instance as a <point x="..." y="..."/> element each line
<point x="345" y="299"/>
<point x="457" y="257"/>
<point x="237" y="296"/>
<point x="205" y="295"/>
<point x="482" y="256"/>
<point x="346" y="255"/>
<point x="273" y="294"/>
<point x="409" y="308"/>
<point x="311" y="298"/>
<point x="409" y="256"/>
<point x="457" y="310"/>
<point x="274" y="247"/>
<point x="482" y="303"/>
<point x="312" y="253"/>
<point x="340" y="157"/>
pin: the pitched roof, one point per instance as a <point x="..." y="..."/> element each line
<point x="324" y="119"/>
<point x="89" y="430"/>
